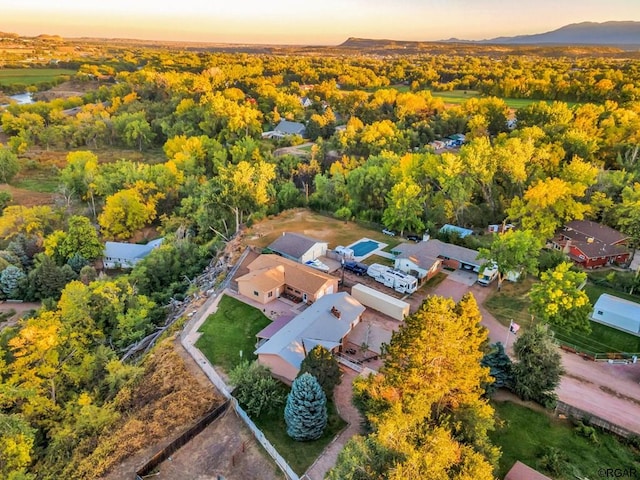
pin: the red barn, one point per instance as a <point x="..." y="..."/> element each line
<point x="591" y="244"/>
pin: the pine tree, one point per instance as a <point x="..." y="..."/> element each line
<point x="322" y="364"/>
<point x="500" y="368"/>
<point x="306" y="411"/>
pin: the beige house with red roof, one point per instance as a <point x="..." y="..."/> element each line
<point x="272" y="276"/>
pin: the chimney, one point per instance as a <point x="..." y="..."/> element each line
<point x="567" y="246"/>
<point x="335" y="312"/>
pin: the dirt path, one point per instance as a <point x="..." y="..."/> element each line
<point x="349" y="413"/>
<point x="225" y="449"/>
<point x="19" y="308"/>
<point x="609" y="391"/>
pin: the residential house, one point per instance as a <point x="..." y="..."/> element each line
<point x="285" y="127"/>
<point x="272" y="276"/>
<point x="590" y="244"/>
<point x="126" y="255"/>
<point x="425" y="258"/>
<point x="298" y="248"/>
<point x="306" y="102"/>
<point x="327" y="322"/>
<point x="617" y="313"/>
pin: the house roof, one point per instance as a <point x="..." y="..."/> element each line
<point x="317" y="325"/>
<point x="520" y="471"/>
<point x="271" y="329"/>
<point x="618" y="306"/>
<point x="594" y="239"/>
<point x="293" y="244"/>
<point x="129" y="251"/>
<point x="269" y="271"/>
<point x="587" y="228"/>
<point x="427" y="252"/>
<point x="290" y="128"/>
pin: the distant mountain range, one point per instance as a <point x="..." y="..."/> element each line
<point x="585" y="33"/>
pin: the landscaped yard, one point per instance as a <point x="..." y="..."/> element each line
<point x="299" y="455"/>
<point x="527" y="435"/>
<point x="229" y="331"/>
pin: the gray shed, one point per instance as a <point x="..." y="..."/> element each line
<point x="617" y="313"/>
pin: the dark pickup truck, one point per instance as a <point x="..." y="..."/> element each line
<point x="356" y="267"/>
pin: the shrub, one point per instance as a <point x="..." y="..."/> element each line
<point x="256" y="390"/>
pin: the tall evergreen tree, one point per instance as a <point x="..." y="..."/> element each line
<point x="306" y="411"/>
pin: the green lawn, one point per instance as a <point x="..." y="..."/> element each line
<point x="523" y="434"/>
<point x="230" y="330"/>
<point x="299" y="455"/>
<point x="38" y="180"/>
<point x="31" y="76"/>
<point x="511" y="302"/>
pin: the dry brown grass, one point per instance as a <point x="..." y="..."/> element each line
<point x="166" y="401"/>
<point x="321" y="227"/>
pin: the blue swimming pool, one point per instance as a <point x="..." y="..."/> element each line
<point x="363" y="247"/>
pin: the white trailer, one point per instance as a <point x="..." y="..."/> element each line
<point x="380" y="302"/>
<point x="377" y="271"/>
<point x="396" y="279"/>
<point x="405" y="283"/>
<point x="488" y="273"/>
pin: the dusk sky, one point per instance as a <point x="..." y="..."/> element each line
<point x="300" y="22"/>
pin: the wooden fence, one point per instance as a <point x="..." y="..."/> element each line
<point x="182" y="440"/>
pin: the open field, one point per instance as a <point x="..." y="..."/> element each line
<point x="460" y="96"/>
<point x="229" y="331"/>
<point x="27" y="198"/>
<point x="306" y="222"/>
<point x="31" y="76"/>
<point x="527" y="435"/>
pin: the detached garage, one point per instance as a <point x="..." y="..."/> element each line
<point x="617" y="313"/>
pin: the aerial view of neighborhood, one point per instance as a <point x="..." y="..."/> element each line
<point x="341" y="240"/>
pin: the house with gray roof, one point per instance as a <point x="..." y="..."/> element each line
<point x="425" y="258"/>
<point x="126" y="255"/>
<point x="286" y="127"/>
<point x="298" y="247"/>
<point x="617" y="313"/>
<point x="591" y="244"/>
<point x="326" y="322"/>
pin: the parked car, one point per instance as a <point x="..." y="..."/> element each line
<point x="356" y="267"/>
<point x="391" y="233"/>
<point x="414" y="238"/>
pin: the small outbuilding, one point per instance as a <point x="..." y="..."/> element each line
<point x="298" y="248"/>
<point x="617" y="313"/>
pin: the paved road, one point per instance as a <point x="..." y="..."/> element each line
<point x="608" y="391"/>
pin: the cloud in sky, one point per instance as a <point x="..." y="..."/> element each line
<point x="289" y="21"/>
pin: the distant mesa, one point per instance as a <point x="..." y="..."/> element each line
<point x="621" y="34"/>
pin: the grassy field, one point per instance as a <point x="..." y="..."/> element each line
<point x="31" y="76"/>
<point x="299" y="455"/>
<point x="461" y="96"/>
<point x="230" y="330"/>
<point x="526" y="435"/>
<point x="511" y="302"/>
<point x="335" y="232"/>
<point x="44" y="180"/>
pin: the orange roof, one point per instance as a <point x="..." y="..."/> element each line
<point x="520" y="471"/>
<point x="269" y="269"/>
